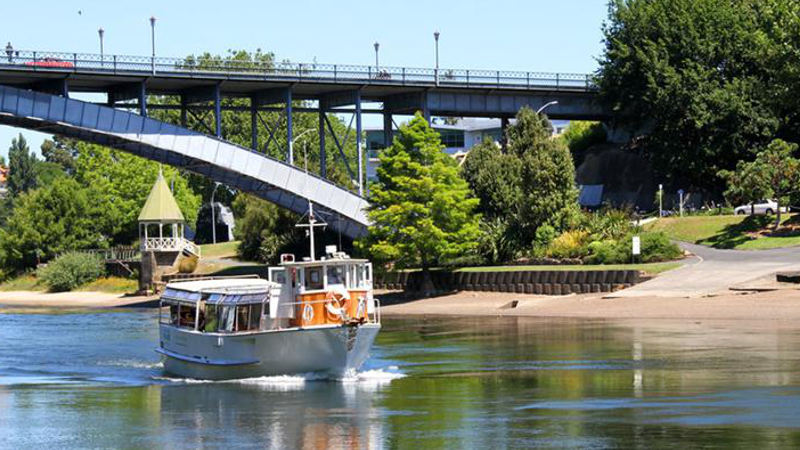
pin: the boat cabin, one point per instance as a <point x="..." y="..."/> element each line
<point x="218" y="306"/>
<point x="332" y="290"/>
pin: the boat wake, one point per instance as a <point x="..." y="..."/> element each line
<point x="367" y="378"/>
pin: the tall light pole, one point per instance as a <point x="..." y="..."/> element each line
<point x="436" y="71"/>
<point x="153" y="43"/>
<point x="100" y="32"/>
<point x="214" y="214"/>
<point x="546" y="105"/>
<point x="377" y="66"/>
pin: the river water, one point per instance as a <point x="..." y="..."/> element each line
<point x="92" y="379"/>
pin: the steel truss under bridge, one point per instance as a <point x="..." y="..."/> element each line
<point x="241" y="168"/>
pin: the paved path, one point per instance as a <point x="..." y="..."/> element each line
<point x="712" y="271"/>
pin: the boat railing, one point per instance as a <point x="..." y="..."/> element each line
<point x="376" y="315"/>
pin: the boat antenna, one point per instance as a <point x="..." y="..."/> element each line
<point x="312" y="221"/>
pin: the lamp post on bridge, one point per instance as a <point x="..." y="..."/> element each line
<point x="100" y="32"/>
<point x="153" y="43"/>
<point x="546" y="105"/>
<point x="436" y="71"/>
<point x="377" y="66"/>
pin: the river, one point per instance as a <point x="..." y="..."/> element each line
<point x="92" y="379"/>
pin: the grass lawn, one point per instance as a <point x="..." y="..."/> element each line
<point x="729" y="232"/>
<point x="651" y="268"/>
<point x="26" y="282"/>
<point x="112" y="285"/>
<point x="221" y="250"/>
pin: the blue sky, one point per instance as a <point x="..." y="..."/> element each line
<point x="532" y="35"/>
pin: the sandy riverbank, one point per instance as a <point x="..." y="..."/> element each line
<point x="773" y="305"/>
<point x="71" y="299"/>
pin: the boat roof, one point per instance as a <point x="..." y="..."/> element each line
<point x="323" y="262"/>
<point x="230" y="284"/>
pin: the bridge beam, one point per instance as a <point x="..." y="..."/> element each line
<point x="323" y="157"/>
<point x="359" y="145"/>
<point x="289" y="130"/>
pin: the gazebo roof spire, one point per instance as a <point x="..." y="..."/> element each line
<point x="161" y="205"/>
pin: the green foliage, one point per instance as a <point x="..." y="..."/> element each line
<point x="264" y="230"/>
<point x="60" y="151"/>
<point x="21" y="167"/>
<point x="702" y="81"/>
<point x="774" y="174"/>
<point x="547" y="177"/>
<point x="70" y="271"/>
<point x="607" y="224"/>
<point x="494" y="244"/>
<point x="49" y="221"/>
<point x="528" y="187"/>
<point x="581" y="135"/>
<point x="420" y="207"/>
<point x="655" y="247"/>
<point x="119" y="184"/>
<point x="570" y="244"/>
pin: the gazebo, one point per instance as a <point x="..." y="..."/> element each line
<point x="161" y="223"/>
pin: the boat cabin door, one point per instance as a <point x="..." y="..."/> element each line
<point x="283" y="292"/>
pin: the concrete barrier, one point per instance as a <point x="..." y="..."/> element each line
<point x="542" y="282"/>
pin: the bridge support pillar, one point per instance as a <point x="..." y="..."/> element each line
<point x="359" y="145"/>
<point x="323" y="158"/>
<point x="503" y="130"/>
<point x="388" y="134"/>
<point x="184" y="107"/>
<point x="289" y="131"/>
<point x="142" y="99"/>
<point x="253" y="124"/>
<point x="217" y="111"/>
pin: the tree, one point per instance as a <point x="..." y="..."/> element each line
<point x="61" y="151"/>
<point x="121" y="182"/>
<point x="549" y="194"/>
<point x="21" y="167"/>
<point x="529" y="186"/>
<point x="420" y="208"/>
<point x="48" y="221"/>
<point x="699" y="82"/>
<point x="775" y="174"/>
<point x="582" y="135"/>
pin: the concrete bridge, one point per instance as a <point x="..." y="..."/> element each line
<point x="36" y="89"/>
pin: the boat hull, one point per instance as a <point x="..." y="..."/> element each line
<point x="330" y="351"/>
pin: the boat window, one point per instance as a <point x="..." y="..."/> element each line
<point x="360" y="276"/>
<point x="255" y="317"/>
<point x="242" y="317"/>
<point x="212" y="319"/>
<point x="335" y="275"/>
<point x="313" y="278"/>
<point x="226" y="318"/>
<point x="173" y="314"/>
<point x="186" y="314"/>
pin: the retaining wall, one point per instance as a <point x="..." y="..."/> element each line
<point x="545" y="282"/>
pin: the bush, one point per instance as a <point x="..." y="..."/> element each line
<point x="570" y="244"/>
<point x="71" y="270"/>
<point x="655" y="247"/>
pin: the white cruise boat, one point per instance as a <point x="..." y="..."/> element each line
<point x="311" y="316"/>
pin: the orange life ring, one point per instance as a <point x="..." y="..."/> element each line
<point x="334" y="306"/>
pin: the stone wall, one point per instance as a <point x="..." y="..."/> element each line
<point x="544" y="282"/>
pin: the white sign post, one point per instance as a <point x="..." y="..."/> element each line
<point x="636" y="247"/>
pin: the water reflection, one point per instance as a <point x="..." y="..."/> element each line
<point x="86" y="379"/>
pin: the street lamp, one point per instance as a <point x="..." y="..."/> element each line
<point x="291" y="144"/>
<point x="214" y="214"/>
<point x="10" y="52"/>
<point x="100" y="32"/>
<point x="377" y="66"/>
<point x="153" y="43"/>
<point x="436" y="72"/>
<point x="546" y="105"/>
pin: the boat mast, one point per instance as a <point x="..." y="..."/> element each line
<point x="312" y="222"/>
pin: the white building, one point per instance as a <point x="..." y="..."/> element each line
<point x="457" y="138"/>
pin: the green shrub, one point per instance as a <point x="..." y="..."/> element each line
<point x="655" y="247"/>
<point x="71" y="270"/>
<point x="607" y="224"/>
<point x="570" y="244"/>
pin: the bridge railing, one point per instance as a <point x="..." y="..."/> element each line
<point x="124" y="64"/>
